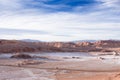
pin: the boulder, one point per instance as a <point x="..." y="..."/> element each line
<point x="19" y="55"/>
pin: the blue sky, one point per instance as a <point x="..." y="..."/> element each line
<point x="60" y="20"/>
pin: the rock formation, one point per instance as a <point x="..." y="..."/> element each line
<point x="12" y="46"/>
<point x="19" y="55"/>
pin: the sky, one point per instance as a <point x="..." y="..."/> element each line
<point x="60" y="20"/>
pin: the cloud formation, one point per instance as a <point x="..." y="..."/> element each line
<point x="64" y="20"/>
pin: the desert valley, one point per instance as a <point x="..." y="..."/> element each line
<point x="59" y="39"/>
<point x="22" y="60"/>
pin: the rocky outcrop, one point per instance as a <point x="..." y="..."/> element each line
<point x="107" y="44"/>
<point x="14" y="46"/>
<point x="19" y="55"/>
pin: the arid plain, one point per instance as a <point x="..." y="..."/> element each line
<point x="59" y="65"/>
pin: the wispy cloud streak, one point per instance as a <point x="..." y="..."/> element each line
<point x="60" y="20"/>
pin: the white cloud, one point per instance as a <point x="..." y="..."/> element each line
<point x="92" y="25"/>
<point x="111" y="3"/>
<point x="7" y="5"/>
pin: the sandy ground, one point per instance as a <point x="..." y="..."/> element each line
<point x="85" y="68"/>
<point x="17" y="73"/>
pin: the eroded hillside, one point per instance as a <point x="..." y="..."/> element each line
<point x="11" y="46"/>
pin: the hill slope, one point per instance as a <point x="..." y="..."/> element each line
<point x="11" y="46"/>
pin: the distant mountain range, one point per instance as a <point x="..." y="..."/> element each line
<point x="85" y="41"/>
<point x="30" y="40"/>
<point x="33" y="40"/>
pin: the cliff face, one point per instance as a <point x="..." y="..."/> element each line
<point x="108" y="44"/>
<point x="11" y="46"/>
